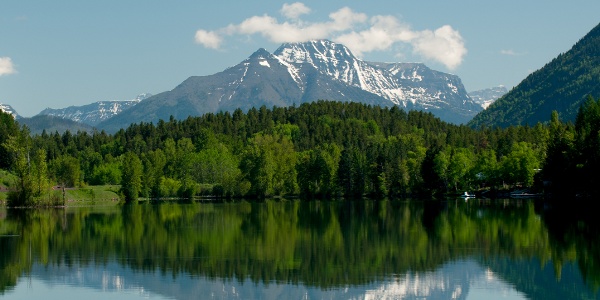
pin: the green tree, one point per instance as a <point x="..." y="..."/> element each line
<point x="317" y="171"/>
<point x="169" y="187"/>
<point x="441" y="164"/>
<point x="459" y="168"/>
<point x="351" y="173"/>
<point x="24" y="187"/>
<point x="106" y="173"/>
<point x="66" y="171"/>
<point x="8" y="128"/>
<point x="154" y="171"/>
<point x="559" y="166"/>
<point x="131" y="178"/>
<point x="40" y="173"/>
<point x="269" y="164"/>
<point x="183" y="166"/>
<point x="521" y="164"/>
<point x="587" y="141"/>
<point x="216" y="165"/>
<point x="486" y="168"/>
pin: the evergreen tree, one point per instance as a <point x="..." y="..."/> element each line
<point x="8" y="128"/>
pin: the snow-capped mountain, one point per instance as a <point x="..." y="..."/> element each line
<point x="9" y="110"/>
<point x="400" y="83"/>
<point x="486" y="97"/>
<point x="92" y="114"/>
<point x="304" y="72"/>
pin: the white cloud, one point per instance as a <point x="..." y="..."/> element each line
<point x="208" y="39"/>
<point x="384" y="31"/>
<point x="294" y="10"/>
<point x="444" y="45"/>
<point x="511" y="52"/>
<point x="361" y="33"/>
<point x="6" y="66"/>
<point x="296" y="30"/>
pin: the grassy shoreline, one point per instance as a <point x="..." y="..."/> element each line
<point x="88" y="195"/>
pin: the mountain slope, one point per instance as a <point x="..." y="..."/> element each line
<point x="561" y="85"/>
<point x="410" y="85"/>
<point x="303" y="72"/>
<point x="92" y="114"/>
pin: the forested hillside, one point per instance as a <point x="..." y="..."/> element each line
<point x="562" y="85"/>
<point x="321" y="149"/>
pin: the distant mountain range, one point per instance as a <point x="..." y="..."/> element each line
<point x="562" y="85"/>
<point x="51" y="124"/>
<point x="94" y="113"/>
<point x="486" y="97"/>
<point x="303" y="72"/>
<point x="74" y="118"/>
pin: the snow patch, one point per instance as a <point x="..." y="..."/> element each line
<point x="453" y="87"/>
<point x="292" y="70"/>
<point x="264" y="63"/>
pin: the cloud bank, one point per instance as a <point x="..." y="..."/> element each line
<point x="6" y="66"/>
<point x="359" y="32"/>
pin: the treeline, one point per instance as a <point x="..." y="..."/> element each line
<point x="320" y="149"/>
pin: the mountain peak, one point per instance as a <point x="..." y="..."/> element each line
<point x="9" y="110"/>
<point x="261" y="53"/>
<point x="304" y="72"/>
<point x="314" y="50"/>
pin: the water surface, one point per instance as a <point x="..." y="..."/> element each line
<point x="298" y="250"/>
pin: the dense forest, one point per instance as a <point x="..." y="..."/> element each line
<point x="317" y="150"/>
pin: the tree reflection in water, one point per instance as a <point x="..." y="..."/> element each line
<point x="319" y="244"/>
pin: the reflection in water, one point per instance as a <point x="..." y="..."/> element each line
<point x="294" y="249"/>
<point x="450" y="281"/>
<point x="463" y="279"/>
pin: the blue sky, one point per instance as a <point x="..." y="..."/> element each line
<point x="61" y="53"/>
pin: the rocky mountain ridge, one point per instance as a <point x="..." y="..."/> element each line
<point x="303" y="72"/>
<point x="94" y="113"/>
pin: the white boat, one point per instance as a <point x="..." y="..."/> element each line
<point x="466" y="195"/>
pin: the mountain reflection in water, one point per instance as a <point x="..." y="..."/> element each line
<point x="296" y="250"/>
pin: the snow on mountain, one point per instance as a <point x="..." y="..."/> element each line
<point x="401" y="83"/>
<point x="9" y="110"/>
<point x="92" y="114"/>
<point x="337" y="62"/>
<point x="486" y="97"/>
<point x="297" y="73"/>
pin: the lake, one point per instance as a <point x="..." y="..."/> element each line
<point x="288" y="249"/>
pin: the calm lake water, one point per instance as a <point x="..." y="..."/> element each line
<point x="300" y="250"/>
